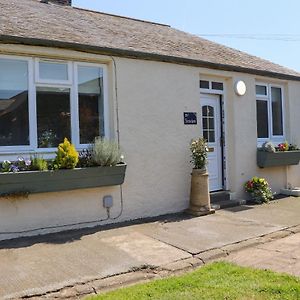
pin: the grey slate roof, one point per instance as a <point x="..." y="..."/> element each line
<point x="34" y="23"/>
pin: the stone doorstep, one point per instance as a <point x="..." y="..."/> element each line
<point x="142" y="275"/>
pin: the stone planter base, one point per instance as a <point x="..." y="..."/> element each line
<point x="200" y="197"/>
<point x="196" y="212"/>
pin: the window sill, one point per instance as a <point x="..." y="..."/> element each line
<point x="61" y="180"/>
<point x="269" y="159"/>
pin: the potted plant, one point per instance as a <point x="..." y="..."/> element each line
<point x="101" y="165"/>
<point x="284" y="154"/>
<point x="259" y="190"/>
<point x="199" y="197"/>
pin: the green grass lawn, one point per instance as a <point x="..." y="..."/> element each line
<point x="215" y="281"/>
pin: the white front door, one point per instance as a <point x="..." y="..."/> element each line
<point x="211" y="126"/>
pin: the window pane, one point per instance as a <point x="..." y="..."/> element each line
<point x="211" y="136"/>
<point x="277" y="111"/>
<point x="262" y="119"/>
<point x="204" y="84"/>
<point x="204" y="111"/>
<point x="91" y="112"/>
<point x="53" y="71"/>
<point x="14" y="121"/>
<point x="261" y="90"/>
<point x="210" y="111"/>
<point x="53" y="116"/>
<point x="205" y="135"/>
<point x="211" y="123"/>
<point x="217" y="86"/>
<point x="205" y="123"/>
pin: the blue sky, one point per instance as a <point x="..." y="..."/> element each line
<point x="259" y="18"/>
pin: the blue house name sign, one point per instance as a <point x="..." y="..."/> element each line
<point x="190" y="118"/>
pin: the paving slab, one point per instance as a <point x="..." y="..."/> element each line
<point x="281" y="256"/>
<point x="226" y="226"/>
<point x="44" y="267"/>
<point x="200" y="234"/>
<point x="283" y="212"/>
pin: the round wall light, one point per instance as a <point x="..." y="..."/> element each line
<point x="240" y="88"/>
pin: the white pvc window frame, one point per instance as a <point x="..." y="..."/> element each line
<point x="76" y="102"/>
<point x="210" y="90"/>
<point x="72" y="84"/>
<point x="38" y="79"/>
<point x="268" y="98"/>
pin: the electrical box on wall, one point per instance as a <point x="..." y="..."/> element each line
<point x="108" y="201"/>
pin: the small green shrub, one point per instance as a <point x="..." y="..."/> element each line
<point x="66" y="156"/>
<point x="259" y="190"/>
<point x="38" y="163"/>
<point x="105" y="152"/>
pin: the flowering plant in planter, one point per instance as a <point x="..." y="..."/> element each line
<point x="199" y="196"/>
<point x="282" y="147"/>
<point x="101" y="165"/>
<point x="199" y="151"/>
<point x="259" y="190"/>
<point x="284" y="154"/>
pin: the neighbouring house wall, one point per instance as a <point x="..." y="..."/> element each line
<point x="152" y="97"/>
<point x="293" y="119"/>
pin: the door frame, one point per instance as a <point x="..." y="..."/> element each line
<point x="223" y="127"/>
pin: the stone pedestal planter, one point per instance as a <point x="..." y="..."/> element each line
<point x="273" y="159"/>
<point x="61" y="180"/>
<point x="200" y="197"/>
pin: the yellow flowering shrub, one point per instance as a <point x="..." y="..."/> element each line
<point x="66" y="156"/>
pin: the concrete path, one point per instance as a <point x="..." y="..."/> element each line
<point x="282" y="255"/>
<point x="77" y="263"/>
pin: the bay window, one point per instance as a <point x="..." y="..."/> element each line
<point x="269" y="112"/>
<point x="44" y="101"/>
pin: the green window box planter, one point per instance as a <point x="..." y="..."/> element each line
<point x="61" y="180"/>
<point x="269" y="159"/>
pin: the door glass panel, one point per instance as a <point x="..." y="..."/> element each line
<point x="210" y="111"/>
<point x="211" y="136"/>
<point x="208" y="122"/>
<point x="204" y="111"/>
<point x="205" y="134"/>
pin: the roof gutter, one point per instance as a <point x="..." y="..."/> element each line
<point x="140" y="55"/>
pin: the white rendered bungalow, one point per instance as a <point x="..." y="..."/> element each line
<point x="70" y="72"/>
